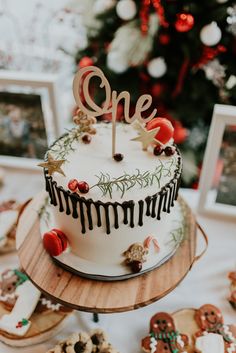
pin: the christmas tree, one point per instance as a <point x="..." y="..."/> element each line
<point x="181" y="52"/>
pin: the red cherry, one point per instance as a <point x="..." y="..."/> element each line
<point x="157" y="151"/>
<point x="86" y="138"/>
<point x="54" y="242"/>
<point x="73" y="185"/>
<point x="166" y="129"/>
<point x="83" y="187"/>
<point x="169" y="151"/>
<point x="136" y="266"/>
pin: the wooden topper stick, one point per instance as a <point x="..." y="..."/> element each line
<point x="82" y="82"/>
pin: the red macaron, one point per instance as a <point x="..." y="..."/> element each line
<point x="54" y="242"/>
<point x="166" y="131"/>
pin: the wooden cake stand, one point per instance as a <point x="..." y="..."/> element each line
<point x="98" y="296"/>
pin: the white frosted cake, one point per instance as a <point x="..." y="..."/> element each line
<point x="116" y="217"/>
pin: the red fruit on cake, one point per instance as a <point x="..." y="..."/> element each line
<point x="166" y="131"/>
<point x="55" y="242"/>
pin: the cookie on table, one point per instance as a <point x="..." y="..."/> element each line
<point x="163" y="336"/>
<point x="9" y="214"/>
<point x="26" y="316"/>
<point x="213" y="335"/>
<point x="95" y="342"/>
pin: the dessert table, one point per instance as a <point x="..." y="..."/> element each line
<point x="206" y="282"/>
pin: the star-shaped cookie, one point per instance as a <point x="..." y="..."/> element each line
<point x="53" y="165"/>
<point x="146" y="137"/>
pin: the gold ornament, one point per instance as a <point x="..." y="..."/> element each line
<point x="146" y="137"/>
<point x="53" y="165"/>
<point x="136" y="252"/>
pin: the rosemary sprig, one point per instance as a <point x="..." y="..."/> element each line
<point x="127" y="181"/>
<point x="177" y="236"/>
<point x="63" y="146"/>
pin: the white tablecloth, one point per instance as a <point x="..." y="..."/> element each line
<point x="206" y="283"/>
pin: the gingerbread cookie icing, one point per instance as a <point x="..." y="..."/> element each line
<point x="21" y="305"/>
<point x="163" y="336"/>
<point x="214" y="335"/>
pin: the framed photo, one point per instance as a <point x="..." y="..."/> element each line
<point x="218" y="177"/>
<point x="29" y="117"/>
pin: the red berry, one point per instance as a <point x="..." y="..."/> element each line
<point x="136" y="266"/>
<point x="86" y="138"/>
<point x="118" y="157"/>
<point x="83" y="187"/>
<point x="166" y="129"/>
<point x="169" y="150"/>
<point x="54" y="242"/>
<point x="73" y="185"/>
<point x="157" y="151"/>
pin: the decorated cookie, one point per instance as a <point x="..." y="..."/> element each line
<point x="9" y="213"/>
<point x="213" y="336"/>
<point x="232" y="297"/>
<point x="26" y="316"/>
<point x="95" y="342"/>
<point x="163" y="337"/>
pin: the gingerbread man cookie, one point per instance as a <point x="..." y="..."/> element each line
<point x="213" y="336"/>
<point x="26" y="316"/>
<point x="163" y="337"/>
<point x="85" y="122"/>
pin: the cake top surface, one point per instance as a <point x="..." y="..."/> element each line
<point x="138" y="175"/>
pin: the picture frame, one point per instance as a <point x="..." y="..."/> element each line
<point x="218" y="177"/>
<point x="24" y="91"/>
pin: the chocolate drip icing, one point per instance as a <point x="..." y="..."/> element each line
<point x="148" y="203"/>
<point x="66" y="197"/>
<point x="154" y="201"/>
<point x="131" y="214"/>
<point x="61" y="208"/>
<point x="116" y="220"/>
<point x="164" y="201"/>
<point x="125" y="210"/>
<point x="99" y="221"/>
<point x="74" y="206"/>
<point x="107" y="219"/>
<point x="80" y="207"/>
<point x="140" y="214"/>
<point x="160" y="206"/>
<point x="82" y="219"/>
<point x="53" y="199"/>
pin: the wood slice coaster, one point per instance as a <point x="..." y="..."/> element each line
<point x="98" y="296"/>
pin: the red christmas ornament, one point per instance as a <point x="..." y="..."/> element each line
<point x="164" y="38"/>
<point x="54" y="242"/>
<point x="85" y="61"/>
<point x="83" y="187"/>
<point x="166" y="129"/>
<point x="73" y="185"/>
<point x="180" y="133"/>
<point x="184" y="22"/>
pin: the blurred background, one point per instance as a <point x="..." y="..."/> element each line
<point x="181" y="52"/>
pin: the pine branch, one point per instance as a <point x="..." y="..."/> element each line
<point x="64" y="145"/>
<point x="127" y="181"/>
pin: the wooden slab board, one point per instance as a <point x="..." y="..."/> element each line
<point x="98" y="296"/>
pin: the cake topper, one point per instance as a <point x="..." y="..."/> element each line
<point x="81" y="84"/>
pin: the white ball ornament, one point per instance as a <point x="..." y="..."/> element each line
<point x="157" y="67"/>
<point x="126" y="9"/>
<point x="116" y="62"/>
<point x="210" y="34"/>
